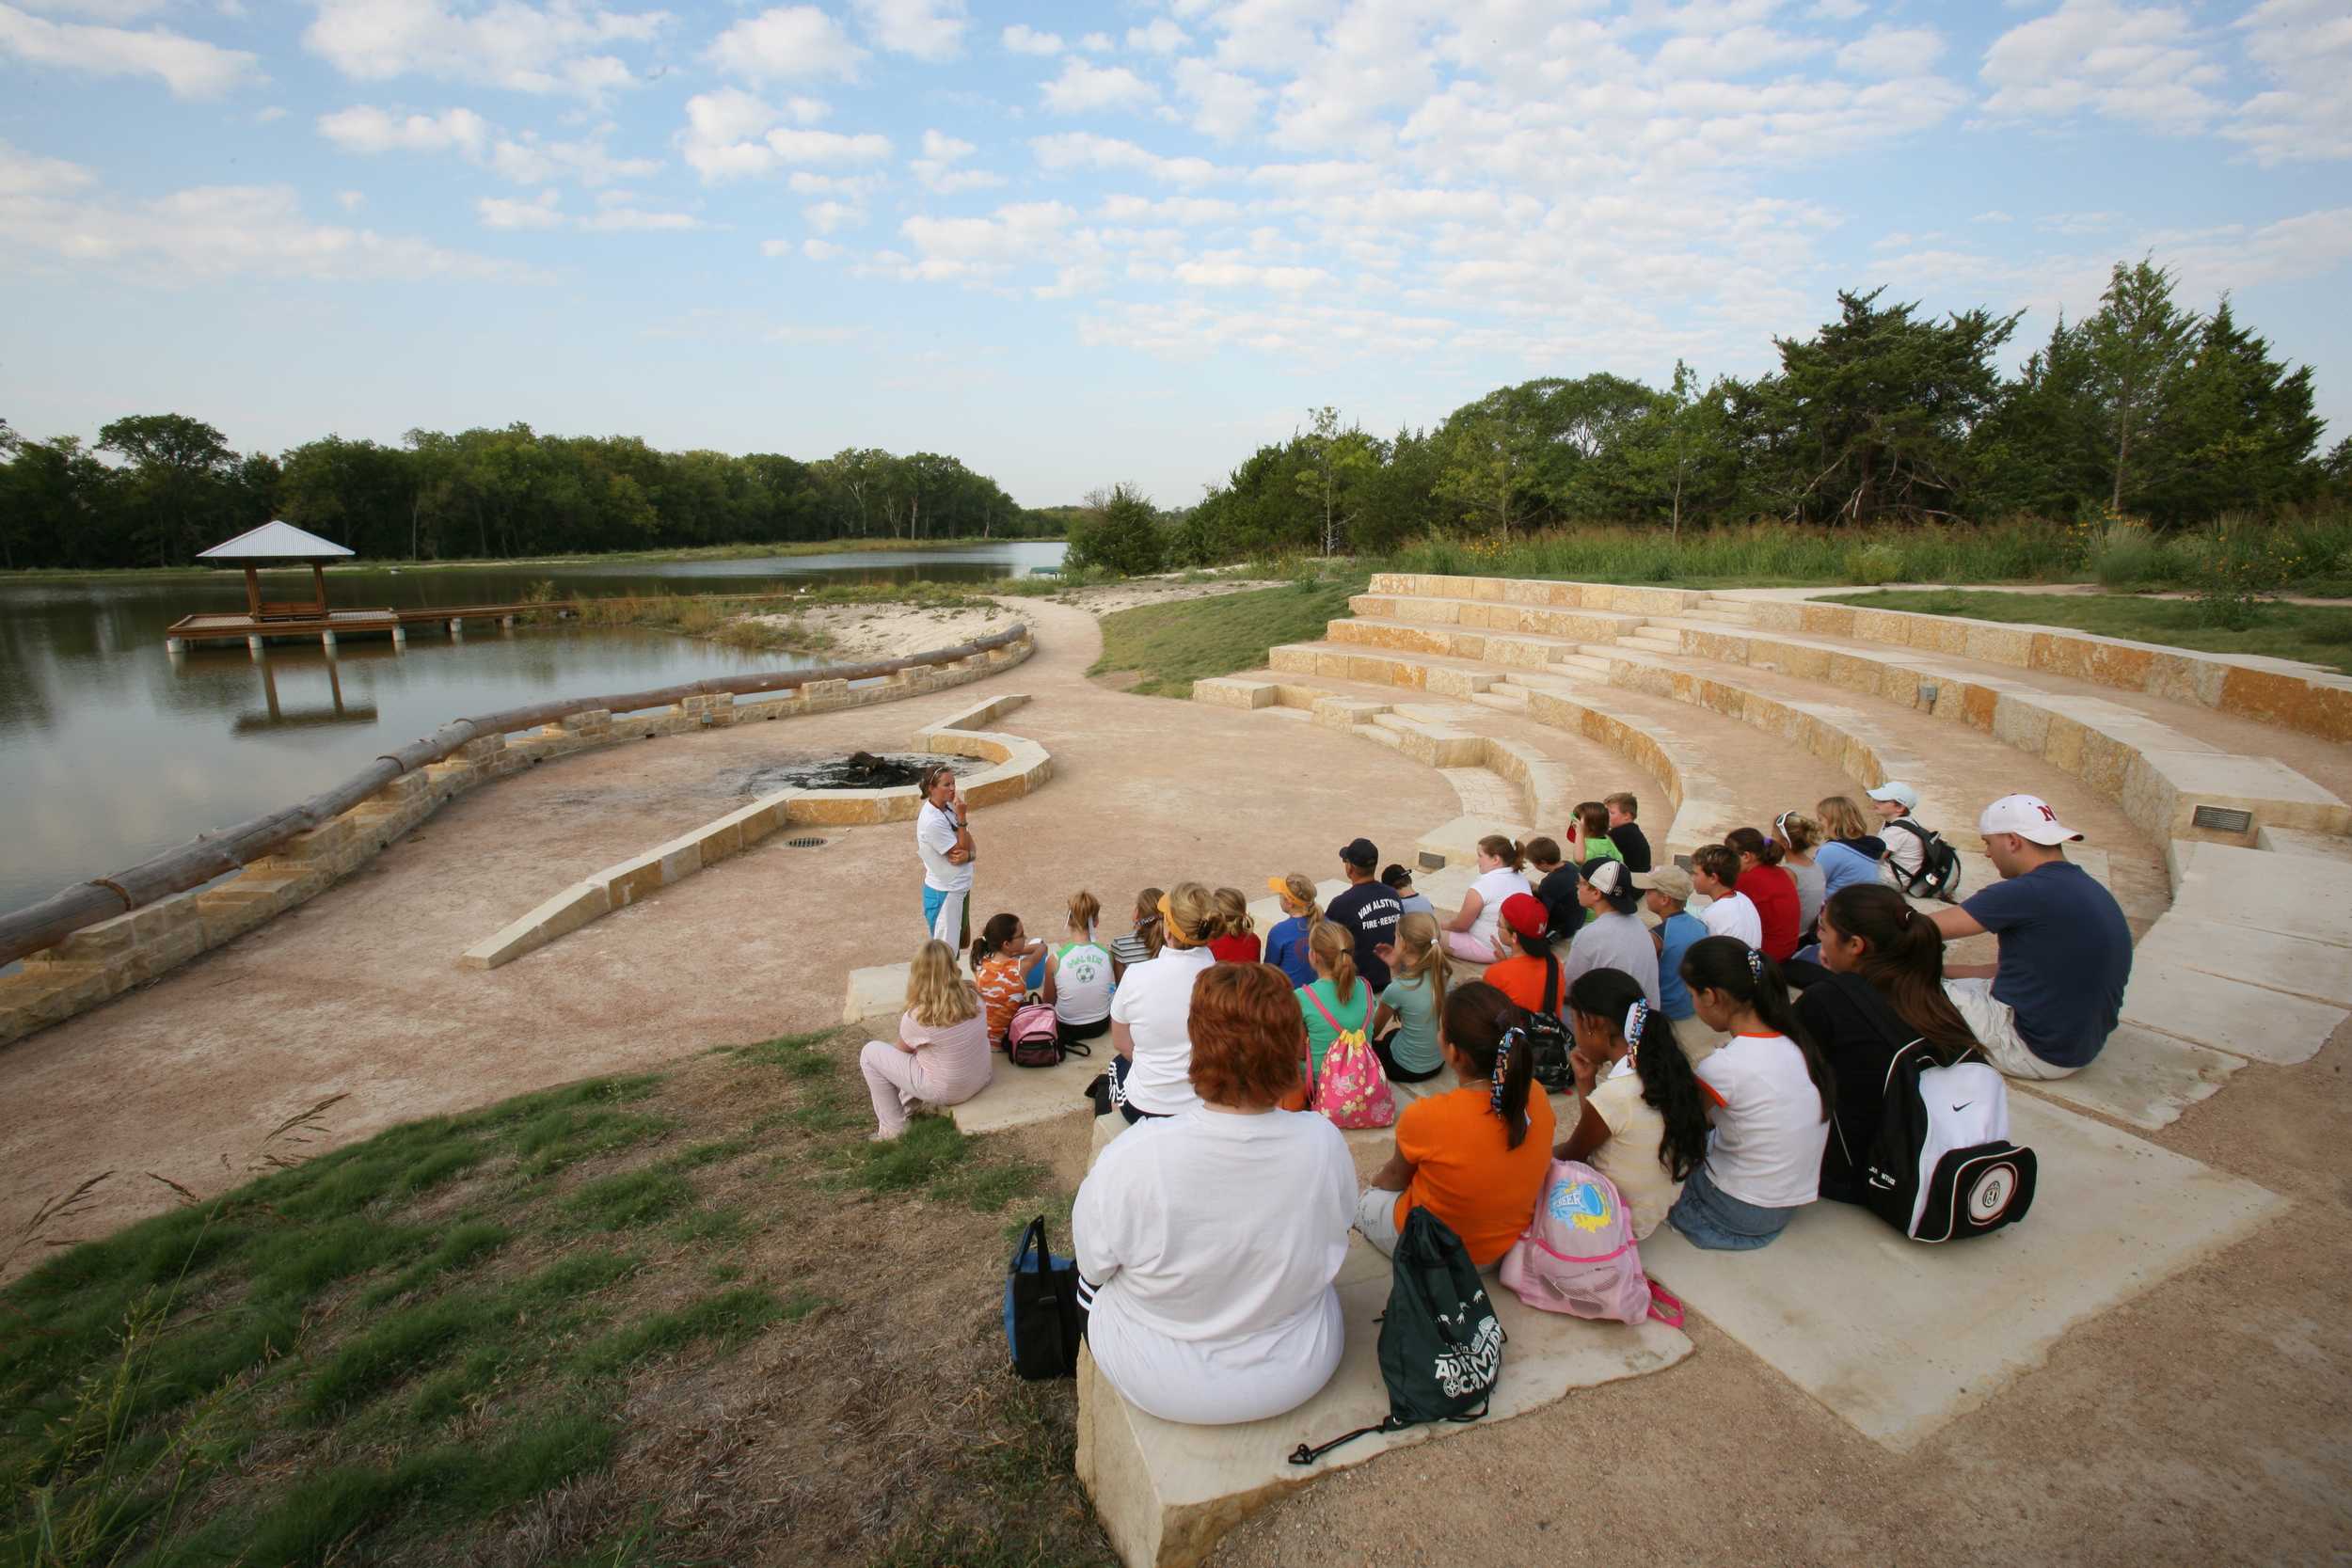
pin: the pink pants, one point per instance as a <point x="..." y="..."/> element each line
<point x="1462" y="945"/>
<point x="896" y="1079"/>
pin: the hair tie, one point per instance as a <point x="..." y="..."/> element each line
<point x="1905" y="921"/>
<point x="1502" y="1067"/>
<point x="1636" y="1019"/>
<point x="1756" y="964"/>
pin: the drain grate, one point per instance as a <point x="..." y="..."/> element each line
<point x="806" y="843"/>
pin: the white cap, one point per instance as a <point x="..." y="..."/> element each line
<point x="2026" y="816"/>
<point x="1899" y="792"/>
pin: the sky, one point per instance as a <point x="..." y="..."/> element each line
<point x="1124" y="242"/>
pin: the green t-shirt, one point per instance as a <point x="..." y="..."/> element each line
<point x="1600" y="849"/>
<point x="1415" y="1047"/>
<point x="1354" y="1013"/>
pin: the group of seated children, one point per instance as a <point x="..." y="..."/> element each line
<point x="1210" y="1304"/>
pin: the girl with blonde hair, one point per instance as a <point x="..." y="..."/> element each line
<point x="1337" y="1002"/>
<point x="941" y="1056"/>
<point x="1286" y="943"/>
<point x="1502" y="872"/>
<point x="1852" y="855"/>
<point x="1798" y="835"/>
<point x="1151" y="1012"/>
<point x="1143" y="943"/>
<point x="1078" y="975"/>
<point x="1405" y="1029"/>
<point x="1236" y="939"/>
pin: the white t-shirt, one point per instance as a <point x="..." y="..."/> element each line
<point x="1733" y="915"/>
<point x="934" y="835"/>
<point x="1492" y="888"/>
<point x="1082" y="982"/>
<point x="1211" y="1241"/>
<point x="1154" y="1002"/>
<point x="1629" y="1158"/>
<point x="1766" y="1148"/>
<point x="1905" y="851"/>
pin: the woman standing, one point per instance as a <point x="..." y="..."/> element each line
<point x="1502" y="872"/>
<point x="1207" y="1302"/>
<point x="941" y="1056"/>
<point x="1078" y="975"/>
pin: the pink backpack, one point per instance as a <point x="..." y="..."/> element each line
<point x="1351" y="1089"/>
<point x="1033" y="1038"/>
<point x="1577" y="1255"/>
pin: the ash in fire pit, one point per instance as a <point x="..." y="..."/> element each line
<point x="858" y="770"/>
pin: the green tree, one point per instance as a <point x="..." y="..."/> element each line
<point x="1679" y="456"/>
<point x="2236" y="431"/>
<point x="178" y="466"/>
<point x="2045" y="447"/>
<point x="1117" y="530"/>
<point x="2140" y="343"/>
<point x="1334" y="463"/>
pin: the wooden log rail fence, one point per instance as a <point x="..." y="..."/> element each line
<point x="215" y="854"/>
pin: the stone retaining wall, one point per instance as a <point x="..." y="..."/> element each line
<point x="103" y="960"/>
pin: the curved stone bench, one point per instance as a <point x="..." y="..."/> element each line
<point x="1020" y="765"/>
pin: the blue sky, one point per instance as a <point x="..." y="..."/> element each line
<point x="1074" y="245"/>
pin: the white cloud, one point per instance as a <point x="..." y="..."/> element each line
<point x="828" y="217"/>
<point x="937" y="171"/>
<point x="1992" y="216"/>
<point x="1162" y="36"/>
<point x="1097" y="43"/>
<point x="50" y="215"/>
<point x="1082" y="89"/>
<point x="1835" y="10"/>
<point x="1021" y="38"/>
<point x="270" y="116"/>
<point x="822" y="250"/>
<point x="731" y="133"/>
<point x="351" y="201"/>
<point x="189" y="67"/>
<point x="1183" y="210"/>
<point x="101" y="10"/>
<point x="1224" y="103"/>
<point x="786" y="43"/>
<point x="974" y="249"/>
<point x="501" y="213"/>
<point x="927" y="29"/>
<point x="1225" y="272"/>
<point x="1892" y="52"/>
<point x="2143" y="65"/>
<point x="365" y="129"/>
<point x="624" y="219"/>
<point x="529" y="160"/>
<point x="1068" y="149"/>
<point x="557" y="47"/>
<point x="2305" y="48"/>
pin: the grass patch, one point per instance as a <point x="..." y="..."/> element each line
<point x="632" y="1197"/>
<point x="1172" y="645"/>
<point x="728" y="1318"/>
<point x="2319" y="634"/>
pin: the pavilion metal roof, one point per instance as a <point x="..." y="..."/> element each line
<point x="276" y="541"/>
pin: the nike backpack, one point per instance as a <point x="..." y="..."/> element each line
<point x="1942" y="1167"/>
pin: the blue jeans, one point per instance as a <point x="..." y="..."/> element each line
<point x="1710" y="1218"/>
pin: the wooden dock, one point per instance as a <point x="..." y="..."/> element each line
<point x="328" y="625"/>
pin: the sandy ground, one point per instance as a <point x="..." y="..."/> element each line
<point x="861" y="632"/>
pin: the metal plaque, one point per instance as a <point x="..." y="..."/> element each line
<point x="2221" y="819"/>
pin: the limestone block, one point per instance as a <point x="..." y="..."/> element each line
<point x="1340" y="713"/>
<point x="2231" y="1015"/>
<point x="1998" y="645"/>
<point x="1166" y="1493"/>
<point x="2301" y="841"/>
<point x="2054" y="653"/>
<point x="996" y="786"/>
<point x="410" y="786"/>
<point x="94" y="945"/>
<point x="1455" y="843"/>
<point x="1827" y="620"/>
<point x="760" y="818"/>
<point x="633" y="879"/>
<point x="2184" y="677"/>
<point x="844" y="808"/>
<point x="1881" y="626"/>
<point x="876" y="992"/>
<point x="152" y="960"/>
<point x="481" y="748"/>
<point x="2317" y="708"/>
<point x="1024" y="1097"/>
<point x="1292" y="659"/>
<point x="1229" y="691"/>
<point x="1448" y="681"/>
<point x="1805" y="660"/>
<point x="561" y="915"/>
<point x="591" y="720"/>
<point x="2276" y="793"/>
<point x="452" y="777"/>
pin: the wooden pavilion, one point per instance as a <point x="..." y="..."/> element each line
<point x="279" y="542"/>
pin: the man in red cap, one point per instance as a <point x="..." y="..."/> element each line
<point x="2047" y="1006"/>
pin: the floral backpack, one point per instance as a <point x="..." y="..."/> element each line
<point x="1577" y="1255"/>
<point x="1351" y="1089"/>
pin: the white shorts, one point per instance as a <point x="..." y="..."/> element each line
<point x="1375" y="1216"/>
<point x="1994" y="1025"/>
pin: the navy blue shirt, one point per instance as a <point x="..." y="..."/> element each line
<point x="2065" y="956"/>
<point x="1370" y="911"/>
<point x="1563" y="916"/>
<point x="1632" y="844"/>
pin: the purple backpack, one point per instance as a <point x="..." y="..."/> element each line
<point x="1577" y="1255"/>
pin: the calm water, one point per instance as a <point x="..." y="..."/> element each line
<point x="111" y="751"/>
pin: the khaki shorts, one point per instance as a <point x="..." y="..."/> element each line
<point x="1994" y="1025"/>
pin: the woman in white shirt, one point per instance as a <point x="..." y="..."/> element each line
<point x="1502" y="872"/>
<point x="1078" y="975"/>
<point x="1772" y="1094"/>
<point x="1208" y="1242"/>
<point x="1150" y="1029"/>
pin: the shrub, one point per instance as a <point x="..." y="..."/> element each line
<point x="1872" y="564"/>
<point x="1121" y="532"/>
<point x="2126" y="555"/>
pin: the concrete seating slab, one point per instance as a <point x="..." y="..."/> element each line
<point x="1897" y="1338"/>
<point x="1024" y="1096"/>
<point x="2292" y="896"/>
<point x="2294" y="966"/>
<point x="876" y="991"/>
<point x="1165" y="1493"/>
<point x="2229" y="1014"/>
<point x="2142" y="1077"/>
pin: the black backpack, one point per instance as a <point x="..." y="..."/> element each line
<point x="1549" y="1040"/>
<point x="1043" y="1319"/>
<point x="1939" y="865"/>
<point x="1440" y="1343"/>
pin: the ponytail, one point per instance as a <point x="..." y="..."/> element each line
<point x="1084" y="911"/>
<point x="1748" y="977"/>
<point x="1149" y="930"/>
<point x="1902" y="957"/>
<point x="1504" y="850"/>
<point x="993" y="937"/>
<point x="1232" y="914"/>
<point x="1327" y="940"/>
<point x="1489" y="1029"/>
<point x="1669" y="1086"/>
<point x="1747" y="840"/>
<point x="1419" y="952"/>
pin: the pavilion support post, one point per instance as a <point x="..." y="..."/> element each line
<point x="253" y="590"/>
<point x="318" y="575"/>
<point x="326" y="640"/>
<point x="400" y="635"/>
<point x="175" y="645"/>
<point x="253" y="644"/>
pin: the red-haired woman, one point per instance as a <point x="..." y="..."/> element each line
<point x="1209" y="1239"/>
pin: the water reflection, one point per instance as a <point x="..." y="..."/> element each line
<point x="110" y="751"/>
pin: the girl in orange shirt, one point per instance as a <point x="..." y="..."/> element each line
<point x="998" y="955"/>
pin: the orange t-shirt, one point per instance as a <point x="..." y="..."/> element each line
<point x="1001" y="990"/>
<point x="1520" y="978"/>
<point x="1465" y="1173"/>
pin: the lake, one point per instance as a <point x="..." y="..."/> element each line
<point x="111" y="751"/>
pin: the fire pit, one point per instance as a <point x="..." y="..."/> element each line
<point x="858" y="770"/>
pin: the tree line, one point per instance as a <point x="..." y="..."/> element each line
<point x="157" y="488"/>
<point x="2142" y="409"/>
